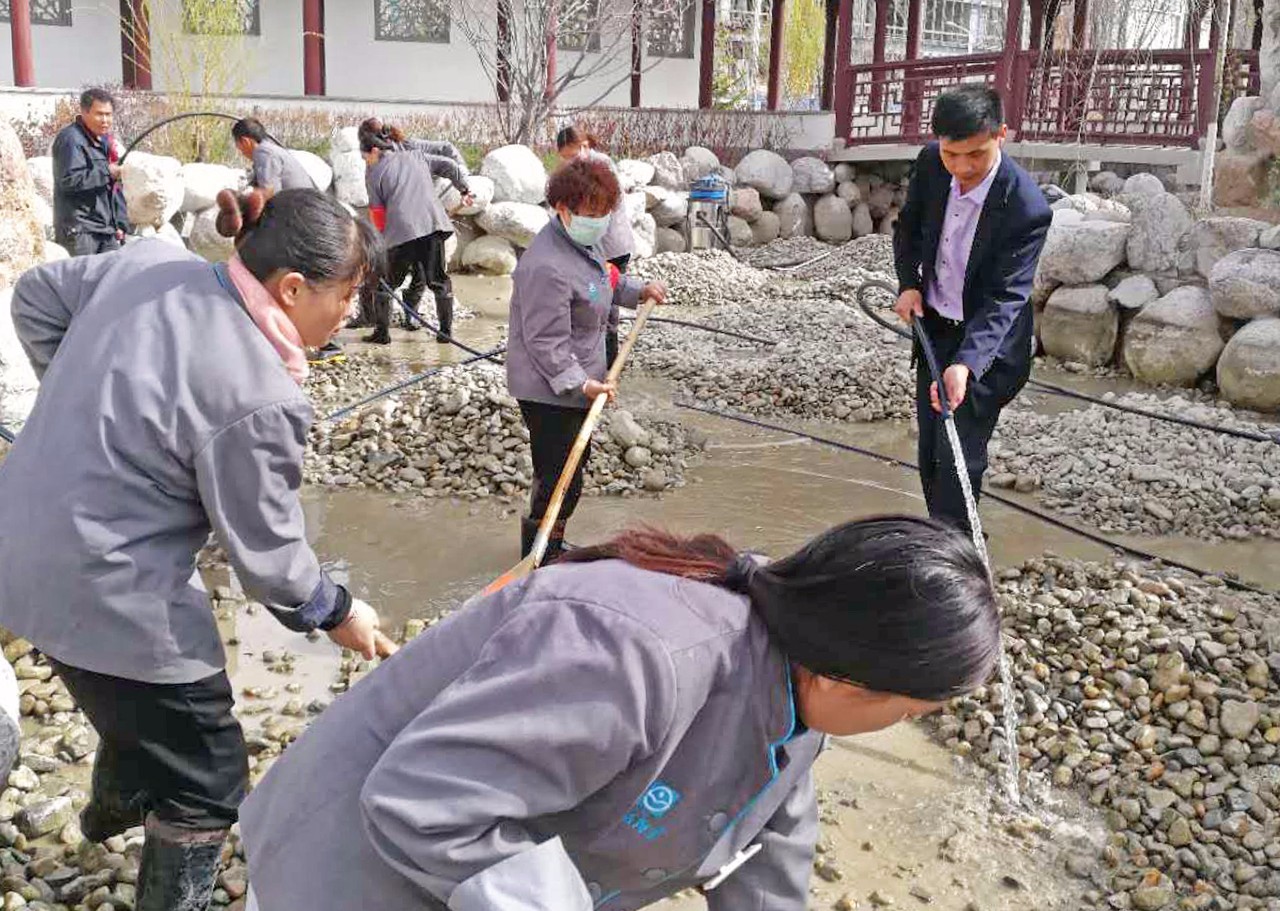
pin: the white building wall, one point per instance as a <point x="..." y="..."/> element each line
<point x="357" y="65"/>
<point x="86" y="53"/>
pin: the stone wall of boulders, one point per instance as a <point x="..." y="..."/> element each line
<point x="1129" y="277"/>
<point x="21" y="247"/>
<point x="1251" y="139"/>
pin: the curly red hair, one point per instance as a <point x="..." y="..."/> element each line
<point x="585" y="182"/>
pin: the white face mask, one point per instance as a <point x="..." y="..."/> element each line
<point x="587" y="230"/>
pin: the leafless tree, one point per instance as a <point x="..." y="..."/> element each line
<point x="592" y="43"/>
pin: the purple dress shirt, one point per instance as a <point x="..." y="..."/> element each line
<point x="945" y="293"/>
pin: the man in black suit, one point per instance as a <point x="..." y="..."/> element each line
<point x="966" y="248"/>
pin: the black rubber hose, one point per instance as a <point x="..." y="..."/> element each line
<point x="6" y="434"/>
<point x="1053" y="389"/>
<point x="705" y="328"/>
<point x="1096" y="538"/>
<point x="412" y="381"/>
<point x="176" y="117"/>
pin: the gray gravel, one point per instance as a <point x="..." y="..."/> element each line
<point x="1124" y="473"/>
<point x="1154" y="694"/>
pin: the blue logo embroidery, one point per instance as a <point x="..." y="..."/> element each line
<point x="654" y="804"/>
<point x="593" y="291"/>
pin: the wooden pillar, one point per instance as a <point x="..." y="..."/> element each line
<point x="707" y="63"/>
<point x="915" y="8"/>
<point x="503" y="63"/>
<point x="637" y="52"/>
<point x="1080" y="26"/>
<point x="24" y="73"/>
<point x="879" y="39"/>
<point x="777" y="28"/>
<point x="843" y="101"/>
<point x="1006" y="67"/>
<point x="1037" y="9"/>
<point x="313" y="47"/>
<point x="135" y="45"/>
<point x="832" y="32"/>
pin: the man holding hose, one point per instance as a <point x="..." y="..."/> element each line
<point x="966" y="249"/>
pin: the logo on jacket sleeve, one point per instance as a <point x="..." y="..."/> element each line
<point x="652" y="806"/>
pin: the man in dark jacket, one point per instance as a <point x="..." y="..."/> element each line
<point x="89" y="214"/>
<point x="966" y="248"/>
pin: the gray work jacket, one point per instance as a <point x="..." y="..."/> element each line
<point x="560" y="303"/>
<point x="163" y="413"/>
<point x="439" y="147"/>
<point x="619" y="240"/>
<point x="591" y="736"/>
<point x="275" y="168"/>
<point x="403" y="183"/>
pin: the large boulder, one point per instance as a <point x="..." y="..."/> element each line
<point x="464" y="234"/>
<point x="349" y="178"/>
<point x="635" y="204"/>
<point x="1174" y="340"/>
<point x="1237" y="130"/>
<point x="41" y="170"/>
<point x="518" y="222"/>
<point x="881" y="199"/>
<point x="344" y="139"/>
<point x="1134" y="292"/>
<point x="1240" y="178"/>
<point x="745" y="203"/>
<point x="18" y="383"/>
<point x="1083" y="253"/>
<point x="517" y="174"/>
<point x="671" y="211"/>
<point x="863" y="223"/>
<point x="44" y="216"/>
<point x="794" y="218"/>
<point x="1249" y="368"/>
<point x="768" y="172"/>
<point x="1264" y="132"/>
<point x="206" y="241"/>
<point x="740" y="232"/>
<point x="667" y="171"/>
<point x="1159" y="222"/>
<point x="849" y="192"/>
<point x="1270" y="238"/>
<point x="1213" y="238"/>
<point x="491" y="254"/>
<point x="1140" y="185"/>
<point x="697" y="162"/>
<point x="201" y="184"/>
<point x="316" y="167"/>
<point x="22" y="245"/>
<point x="1246" y="284"/>
<point x="1108" y="183"/>
<point x="645" y="231"/>
<point x="53" y="253"/>
<point x="669" y="240"/>
<point x="634" y="174"/>
<point x="1081" y="325"/>
<point x="482" y="189"/>
<point x="153" y="188"/>
<point x="812" y="175"/>
<point x="766" y="228"/>
<point x="832" y="220"/>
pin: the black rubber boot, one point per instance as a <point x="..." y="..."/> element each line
<point x="528" y="531"/>
<point x="444" y="311"/>
<point x="555" y="544"/>
<point x="379" y="336"/>
<point x="412" y="320"/>
<point x="179" y="867"/>
<point x="610" y="348"/>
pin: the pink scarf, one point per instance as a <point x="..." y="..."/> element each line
<point x="270" y="318"/>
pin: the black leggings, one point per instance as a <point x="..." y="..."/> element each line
<point x="552" y="430"/>
<point x="611" y="335"/>
<point x="424" y="256"/>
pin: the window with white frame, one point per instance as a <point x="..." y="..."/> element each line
<point x="221" y="17"/>
<point x="411" y="20"/>
<point x="669" y="28"/>
<point x="43" y="12"/>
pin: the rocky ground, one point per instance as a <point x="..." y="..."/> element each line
<point x="458" y="434"/>
<point x="1124" y="473"/>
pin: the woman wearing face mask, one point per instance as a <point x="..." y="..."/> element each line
<point x="169" y="407"/>
<point x="562" y="294"/>
<point x="620" y="726"/>
<point x="618" y="243"/>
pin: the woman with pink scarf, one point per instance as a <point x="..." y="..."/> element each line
<point x="169" y="408"/>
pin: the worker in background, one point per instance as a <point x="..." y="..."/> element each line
<point x="633" y="721"/>
<point x="562" y="295"/>
<point x="404" y="205"/>
<point x="440" y="147"/>
<point x="966" y="248"/>
<point x="89" y="212"/>
<point x="618" y="243"/>
<point x="275" y="168"/>
<point x="170" y="405"/>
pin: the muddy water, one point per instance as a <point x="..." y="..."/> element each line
<point x="900" y="816"/>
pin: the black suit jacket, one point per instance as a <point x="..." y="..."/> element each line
<point x="1011" y="232"/>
